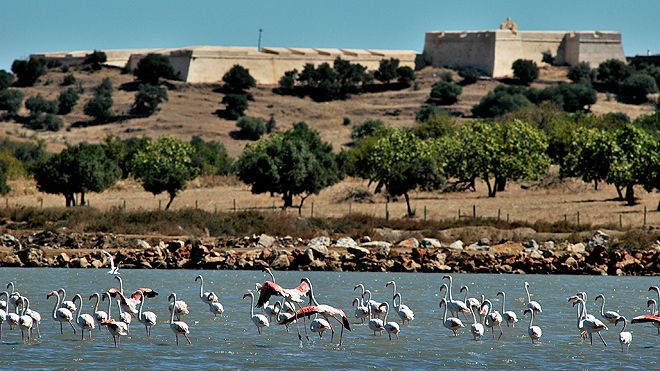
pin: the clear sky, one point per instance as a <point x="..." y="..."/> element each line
<point x="28" y="26"/>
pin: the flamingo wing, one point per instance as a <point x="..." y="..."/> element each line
<point x="267" y="290"/>
<point x="302" y="312"/>
<point x="303" y="288"/>
<point x="646" y="318"/>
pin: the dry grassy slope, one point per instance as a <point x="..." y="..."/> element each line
<point x="191" y="109"/>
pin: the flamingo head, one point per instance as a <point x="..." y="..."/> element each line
<point x="527" y="310"/>
<point x="500" y="293"/>
<point x="199" y="277"/>
<point x="652" y="288"/>
<point x="356" y="301"/>
<point x="137" y="295"/>
<point x="446" y="277"/>
<point x="92" y="296"/>
<point x="619" y="319"/>
<point x="248" y="294"/>
<point x="463" y="288"/>
<point x="651" y="302"/>
<point x="443" y="287"/>
<point x="599" y="296"/>
<point x="389" y="283"/>
<point x="442" y="302"/>
<point x="359" y="285"/>
<point x="50" y="294"/>
<point x="384" y="305"/>
<point x="171" y="297"/>
<point x="482" y="308"/>
<point x="526" y="284"/>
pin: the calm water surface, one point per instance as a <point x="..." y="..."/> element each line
<point x="232" y="341"/>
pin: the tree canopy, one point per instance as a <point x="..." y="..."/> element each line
<point x="153" y="67"/>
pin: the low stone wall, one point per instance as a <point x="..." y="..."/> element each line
<point x="49" y="249"/>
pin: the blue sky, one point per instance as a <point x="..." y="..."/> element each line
<point x="28" y="26"/>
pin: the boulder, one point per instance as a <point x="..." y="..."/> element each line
<point x="376" y="244"/>
<point x="11" y="241"/>
<point x="11" y="261"/>
<point x="410" y="243"/>
<point x="83" y="262"/>
<point x="319" y="246"/>
<point x="266" y="241"/>
<point x="358" y="251"/>
<point x="430" y="242"/>
<point x="456" y="245"/>
<point x="175" y="245"/>
<point x="576" y="248"/>
<point x="599" y="239"/>
<point x="319" y="251"/>
<point x="346" y="242"/>
<point x="142" y="244"/>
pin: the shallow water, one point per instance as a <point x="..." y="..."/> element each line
<point x="232" y="340"/>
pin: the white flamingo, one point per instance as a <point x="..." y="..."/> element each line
<point x="36" y="317"/>
<point x="405" y="313"/>
<point x="13" y="297"/>
<point x="472" y="303"/>
<point x="609" y="316"/>
<point x="25" y="321"/>
<point x="319" y="325"/>
<point x="394" y="292"/>
<point x="216" y="308"/>
<point x="205" y="297"/>
<point x="509" y="316"/>
<point x="13" y="318"/>
<point x="452" y="323"/>
<point x="625" y="337"/>
<point x="534" y="332"/>
<point x="590" y="326"/>
<point x="148" y="319"/>
<point x="531" y="304"/>
<point x="390" y="327"/>
<point x="116" y="329"/>
<point x="3" y="318"/>
<point x="374" y="305"/>
<point x="128" y="304"/>
<point x="99" y="315"/>
<point x="178" y="327"/>
<point x="84" y="321"/>
<point x="113" y="269"/>
<point x="61" y="314"/>
<point x="493" y="318"/>
<point x="284" y="316"/>
<point x="68" y="304"/>
<point x="454" y="306"/>
<point x="375" y="324"/>
<point x="124" y="316"/>
<point x="361" y="311"/>
<point x="259" y="320"/>
<point x="477" y="329"/>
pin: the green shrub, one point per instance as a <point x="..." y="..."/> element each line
<point x="48" y="121"/>
<point x="366" y="129"/>
<point x="148" y="98"/>
<point x="210" y="158"/>
<point x="4" y="187"/>
<point x="612" y="73"/>
<point x="28" y="72"/>
<point x="469" y="75"/>
<point x="636" y="88"/>
<point x="152" y="67"/>
<point x="251" y="128"/>
<point x="6" y="79"/>
<point x="427" y="111"/>
<point x="68" y="80"/>
<point x="99" y="107"/>
<point x="406" y="75"/>
<point x="497" y="103"/>
<point x="38" y="104"/>
<point x="387" y="70"/>
<point x="235" y="105"/>
<point x="570" y="97"/>
<point x="525" y="70"/>
<point x="94" y="61"/>
<point x="67" y="100"/>
<point x="238" y="79"/>
<point x="445" y="93"/>
<point x="288" y="80"/>
<point x="582" y="73"/>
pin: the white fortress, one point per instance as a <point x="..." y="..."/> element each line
<point x="491" y="51"/>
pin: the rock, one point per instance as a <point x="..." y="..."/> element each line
<point x="63" y="258"/>
<point x="364" y="239"/>
<point x="83" y="262"/>
<point x="507" y="248"/>
<point x="319" y="251"/>
<point x="11" y="241"/>
<point x="11" y="261"/>
<point x="346" y="242"/>
<point x="549" y="245"/>
<point x="32" y="257"/>
<point x="358" y="251"/>
<point x="485" y="241"/>
<point x="411" y="265"/>
<point x="319" y="246"/>
<point x="456" y="245"/>
<point x="471" y="247"/>
<point x="142" y="244"/>
<point x="266" y="241"/>
<point x="570" y="262"/>
<point x="599" y="239"/>
<point x="531" y="245"/>
<point x="535" y="254"/>
<point x="384" y="252"/>
<point x="97" y="263"/>
<point x="410" y="243"/>
<point x="377" y="244"/>
<point x="430" y="242"/>
<point x="576" y="248"/>
<point x="175" y="245"/>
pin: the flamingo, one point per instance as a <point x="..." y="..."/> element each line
<point x="361" y="311"/>
<point x="390" y="327"/>
<point x="259" y="320"/>
<point x="205" y="297"/>
<point x="653" y="318"/>
<point x="113" y="269"/>
<point x="125" y="316"/>
<point x="3" y="318"/>
<point x="271" y="310"/>
<point x="116" y="329"/>
<point x="283" y="315"/>
<point x="319" y="325"/>
<point x="455" y="306"/>
<point x="148" y="319"/>
<point x="534" y="332"/>
<point x="179" y="307"/>
<point x="3" y="303"/>
<point x="590" y="326"/>
<point x="472" y="303"/>
<point x="25" y="321"/>
<point x="178" y="327"/>
<point x="270" y="288"/>
<point x="625" y="337"/>
<point x="127" y="304"/>
<point x="68" y="304"/>
<point x="216" y="308"/>
<point x="374" y="305"/>
<point x="510" y="316"/>
<point x="13" y="298"/>
<point x="531" y="304"/>
<point x="583" y="296"/>
<point x="477" y="329"/>
<point x="452" y="323"/>
<point x="327" y="312"/>
<point x="13" y="318"/>
<point x="609" y="316"/>
<point x="84" y="321"/>
<point x="493" y="318"/>
<point x="61" y="314"/>
<point x="99" y="315"/>
<point x="36" y="317"/>
<point x="394" y="292"/>
<point x="405" y="313"/>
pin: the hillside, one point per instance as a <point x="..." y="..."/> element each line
<point x="191" y="109"/>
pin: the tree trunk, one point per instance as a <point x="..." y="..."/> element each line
<point x="491" y="190"/>
<point x="302" y="200"/>
<point x="596" y="184"/>
<point x="500" y="184"/>
<point x="618" y="191"/>
<point x="172" y="195"/>
<point x="658" y="208"/>
<point x="630" y="195"/>
<point x="82" y="198"/>
<point x="287" y="197"/>
<point x="410" y="212"/>
<point x="68" y="198"/>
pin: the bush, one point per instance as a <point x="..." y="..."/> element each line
<point x="346" y="121"/>
<point x="66" y="101"/>
<point x="4" y="187"/>
<point x="99" y="107"/>
<point x="238" y="79"/>
<point x="104" y="88"/>
<point x="470" y="75"/>
<point x="387" y="70"/>
<point x="235" y="105"/>
<point x="148" y="98"/>
<point x="582" y="73"/>
<point x="525" y="70"/>
<point x="636" y="88"/>
<point x="251" y="128"/>
<point x="210" y="158"/>
<point x="11" y="101"/>
<point x="28" y="72"/>
<point x="406" y="75"/>
<point x="38" y="105"/>
<point x="49" y="122"/>
<point x="497" y="103"/>
<point x="288" y="80"/>
<point x="612" y="73"/>
<point x="6" y="79"/>
<point x="548" y="58"/>
<point x="445" y="93"/>
<point x="366" y="129"/>
<point x="94" y="61"/>
<point x="152" y="67"/>
<point x="570" y="97"/>
<point x="271" y="125"/>
<point x="427" y="111"/>
<point x="438" y="125"/>
<point x="68" y="80"/>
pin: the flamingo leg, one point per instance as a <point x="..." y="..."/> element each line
<point x="341" y="334"/>
<point x="74" y="329"/>
<point x="82" y="334"/>
<point x="501" y="332"/>
<point x="601" y="338"/>
<point x="591" y="337"/>
<point x="61" y="328"/>
<point x="177" y="339"/>
<point x="38" y="331"/>
<point x="114" y="338"/>
<point x="187" y="339"/>
<point x="90" y="334"/>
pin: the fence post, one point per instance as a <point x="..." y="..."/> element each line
<point x="312" y="212"/>
<point x="124" y="204"/>
<point x="234" y="205"/>
<point x="499" y="213"/>
<point x="7" y="203"/>
<point x="159" y="204"/>
<point x="507" y="217"/>
<point x="42" y="203"/>
<point x="350" y="207"/>
<point x="424" y="213"/>
<point x="474" y="212"/>
<point x="565" y="218"/>
<point x="620" y="221"/>
<point x="644" y="215"/>
<point x="459" y="214"/>
<point x="215" y="209"/>
<point x="387" y="210"/>
<point x="578" y="218"/>
<point x="196" y="205"/>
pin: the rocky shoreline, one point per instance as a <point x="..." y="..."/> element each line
<point x="75" y="250"/>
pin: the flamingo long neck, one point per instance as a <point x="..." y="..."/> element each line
<point x="529" y="298"/>
<point x="602" y="306"/>
<point x="449" y="290"/>
<point x="174" y="308"/>
<point x="503" y="301"/>
<point x="474" y="317"/>
<point x="121" y="284"/>
<point x="531" y="319"/>
<point x="272" y="276"/>
<point x="57" y="304"/>
<point x="657" y="290"/>
<point x="79" y="304"/>
<point x="142" y="299"/>
<point x="445" y="286"/>
<point x="387" y="311"/>
<point x="312" y="298"/>
<point x="466" y="294"/>
<point x="393" y="288"/>
<point x="444" y="316"/>
<point x="625" y="323"/>
<point x="398" y="295"/>
<point x="201" y="287"/>
<point x="26" y="305"/>
<point x="109" y="305"/>
<point x="653" y="308"/>
<point x="63" y="294"/>
<point x="490" y="308"/>
<point x="98" y="298"/>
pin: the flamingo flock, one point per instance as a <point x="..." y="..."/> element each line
<point x="272" y="304"/>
